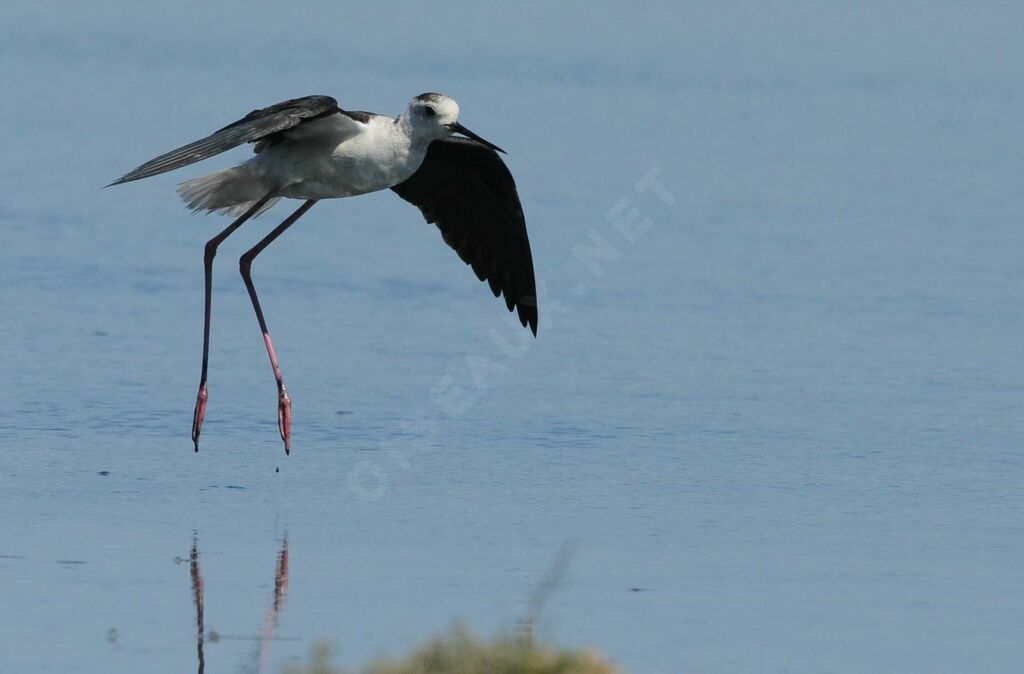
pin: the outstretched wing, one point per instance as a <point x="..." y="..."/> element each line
<point x="467" y="191"/>
<point x="257" y="125"/>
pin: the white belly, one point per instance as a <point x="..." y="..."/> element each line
<point x="376" y="159"/>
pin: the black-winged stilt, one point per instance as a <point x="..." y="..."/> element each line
<point x="309" y="148"/>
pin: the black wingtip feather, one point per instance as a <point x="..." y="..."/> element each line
<point x="528" y="317"/>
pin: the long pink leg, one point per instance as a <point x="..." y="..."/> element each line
<point x="284" y="403"/>
<point x="208" y="255"/>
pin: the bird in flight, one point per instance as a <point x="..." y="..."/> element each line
<point x="311" y="149"/>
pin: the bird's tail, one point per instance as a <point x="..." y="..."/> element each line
<point x="229" y="192"/>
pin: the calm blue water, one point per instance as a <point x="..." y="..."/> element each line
<point x="784" y="401"/>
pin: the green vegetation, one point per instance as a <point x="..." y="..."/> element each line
<point x="461" y="652"/>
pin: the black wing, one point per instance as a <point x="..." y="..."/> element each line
<point x="467" y="191"/>
<point x="255" y="126"/>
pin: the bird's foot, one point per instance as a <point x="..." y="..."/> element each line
<point x="284" y="418"/>
<point x="197" y="416"/>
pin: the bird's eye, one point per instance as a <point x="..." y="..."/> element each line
<point x="429" y="111"/>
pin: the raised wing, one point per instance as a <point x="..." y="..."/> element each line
<point x="467" y="191"/>
<point x="258" y="125"/>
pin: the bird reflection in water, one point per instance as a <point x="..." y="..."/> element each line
<point x="197" y="596"/>
<point x="266" y="635"/>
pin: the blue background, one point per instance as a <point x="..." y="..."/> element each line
<point x="789" y="411"/>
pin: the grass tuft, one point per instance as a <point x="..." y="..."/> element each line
<point x="462" y="652"/>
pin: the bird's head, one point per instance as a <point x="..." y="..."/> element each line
<point x="434" y="116"/>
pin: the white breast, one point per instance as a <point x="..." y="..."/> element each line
<point x="326" y="166"/>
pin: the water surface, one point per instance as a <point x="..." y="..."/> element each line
<point x="773" y="410"/>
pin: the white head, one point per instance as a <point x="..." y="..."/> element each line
<point x="434" y="116"/>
